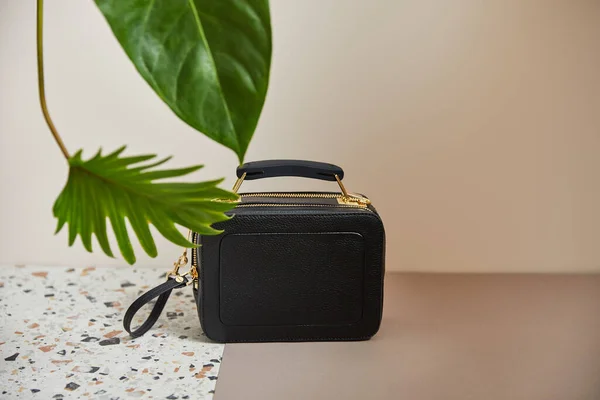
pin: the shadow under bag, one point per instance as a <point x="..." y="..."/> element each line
<point x="289" y="266"/>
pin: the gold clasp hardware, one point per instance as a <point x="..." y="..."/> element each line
<point x="350" y="198"/>
<point x="181" y="262"/>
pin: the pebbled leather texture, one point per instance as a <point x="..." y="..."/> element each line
<point x="311" y="278"/>
<point x="293" y="274"/>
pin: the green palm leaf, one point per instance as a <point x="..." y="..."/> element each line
<point x="120" y="188"/>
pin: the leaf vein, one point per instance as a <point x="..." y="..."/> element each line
<point x="218" y="79"/>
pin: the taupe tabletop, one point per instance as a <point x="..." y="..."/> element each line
<point x="480" y="337"/>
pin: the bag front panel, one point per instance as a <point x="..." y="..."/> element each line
<point x="287" y="274"/>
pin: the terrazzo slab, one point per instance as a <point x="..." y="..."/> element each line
<point x="61" y="337"/>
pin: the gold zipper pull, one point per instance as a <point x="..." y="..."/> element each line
<point x="354" y="200"/>
<point x="194" y="272"/>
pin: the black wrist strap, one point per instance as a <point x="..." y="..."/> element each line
<point x="162" y="291"/>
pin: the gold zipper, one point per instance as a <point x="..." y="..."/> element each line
<point x="291" y="195"/>
<point x="352" y="199"/>
<point x="346" y="205"/>
<point x="194" y="269"/>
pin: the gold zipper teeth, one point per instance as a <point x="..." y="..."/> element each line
<point x="195" y="260"/>
<point x="294" y="195"/>
<point x="194" y="252"/>
<point x="363" y="201"/>
<point x="302" y="205"/>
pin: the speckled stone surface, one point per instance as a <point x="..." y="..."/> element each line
<point x="61" y="336"/>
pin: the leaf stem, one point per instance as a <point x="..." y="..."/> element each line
<point x="41" y="85"/>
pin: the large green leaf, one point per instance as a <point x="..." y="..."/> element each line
<point x="208" y="60"/>
<point x="120" y="188"/>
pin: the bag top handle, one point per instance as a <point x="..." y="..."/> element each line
<point x="300" y="168"/>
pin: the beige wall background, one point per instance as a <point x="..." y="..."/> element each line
<point x="474" y="126"/>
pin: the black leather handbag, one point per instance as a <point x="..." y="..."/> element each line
<point x="292" y="266"/>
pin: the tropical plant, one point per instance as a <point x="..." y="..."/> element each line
<point x="209" y="61"/>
